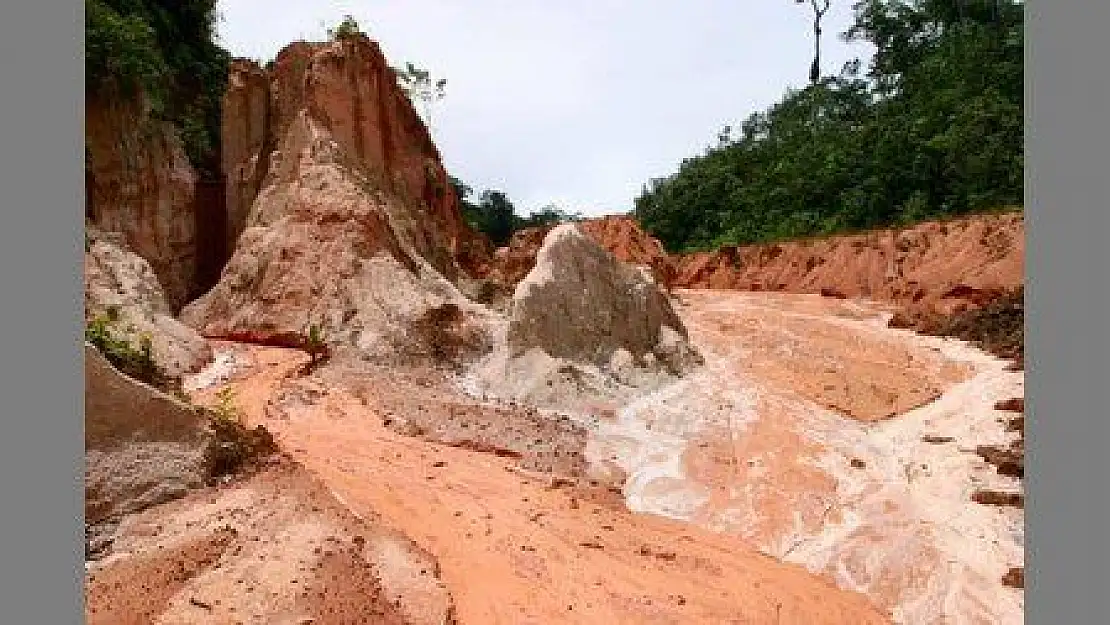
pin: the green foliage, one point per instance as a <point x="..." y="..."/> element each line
<point x="121" y="47"/>
<point x="136" y="362"/>
<point x="546" y="216"/>
<point x="934" y="129"/>
<point x="233" y="447"/>
<point x="165" y="51"/>
<point x="314" y="343"/>
<point x="495" y="216"/>
<point x="421" y="88"/>
<point x="347" y="29"/>
<point x="225" y="408"/>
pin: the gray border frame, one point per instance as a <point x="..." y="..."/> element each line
<point x="41" y="173"/>
<point x="41" y="545"/>
<point x="1068" y="342"/>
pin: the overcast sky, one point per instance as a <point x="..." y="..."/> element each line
<point x="572" y="102"/>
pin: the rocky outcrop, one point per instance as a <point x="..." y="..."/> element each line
<point x="355" y="229"/>
<point x="348" y="89"/>
<point x="942" y="265"/>
<point x="581" y="304"/>
<point x="120" y="280"/>
<point x="139" y="182"/>
<point x="245" y="145"/>
<point x="142" y="447"/>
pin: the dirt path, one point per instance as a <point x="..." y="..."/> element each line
<point x="517" y="548"/>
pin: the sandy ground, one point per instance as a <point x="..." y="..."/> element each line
<point x="275" y="547"/>
<point x="814" y="433"/>
<point x="786" y="439"/>
<point x="520" y="547"/>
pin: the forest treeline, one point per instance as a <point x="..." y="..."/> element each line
<point x="933" y="127"/>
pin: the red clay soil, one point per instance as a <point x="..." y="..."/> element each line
<point x="619" y="234"/>
<point x="514" y="546"/>
<point x="995" y="323"/>
<point x="943" y="264"/>
<point x="622" y="236"/>
<point x="934" y="266"/>
<point x="273" y="547"/>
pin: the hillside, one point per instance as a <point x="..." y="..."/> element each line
<point x="932" y="128"/>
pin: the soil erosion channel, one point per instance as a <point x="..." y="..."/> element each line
<point x="813" y="433"/>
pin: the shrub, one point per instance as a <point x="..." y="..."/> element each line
<point x="233" y="447"/>
<point x="315" y="346"/>
<point x="136" y="362"/>
<point x="225" y="408"/>
<point x="347" y="29"/>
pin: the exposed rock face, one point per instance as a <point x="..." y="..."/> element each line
<point x="582" y="304"/>
<point x="139" y="182"/>
<point x="142" y="447"/>
<point x="348" y="89"/>
<point x="245" y="124"/>
<point x="118" y="278"/>
<point x="512" y="262"/>
<point x="943" y="265"/>
<point x="355" y="229"/>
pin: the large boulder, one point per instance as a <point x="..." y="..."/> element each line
<point x="581" y="304"/>
<point x="120" y="280"/>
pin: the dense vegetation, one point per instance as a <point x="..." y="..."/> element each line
<point x="494" y="214"/>
<point x="164" y="50"/>
<point x="934" y="128"/>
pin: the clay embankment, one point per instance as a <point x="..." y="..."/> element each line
<point x="935" y="265"/>
<point x="933" y="268"/>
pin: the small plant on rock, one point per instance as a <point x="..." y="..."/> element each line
<point x="226" y="409"/>
<point x="234" y="447"/>
<point x="136" y="362"/>
<point x="316" y="347"/>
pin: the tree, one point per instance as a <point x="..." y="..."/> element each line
<point x="820" y="7"/>
<point x="548" y="215"/>
<point x="347" y="29"/>
<point x="498" y="215"/>
<point x="419" y="86"/>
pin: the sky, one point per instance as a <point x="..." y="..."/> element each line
<point x="577" y="103"/>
